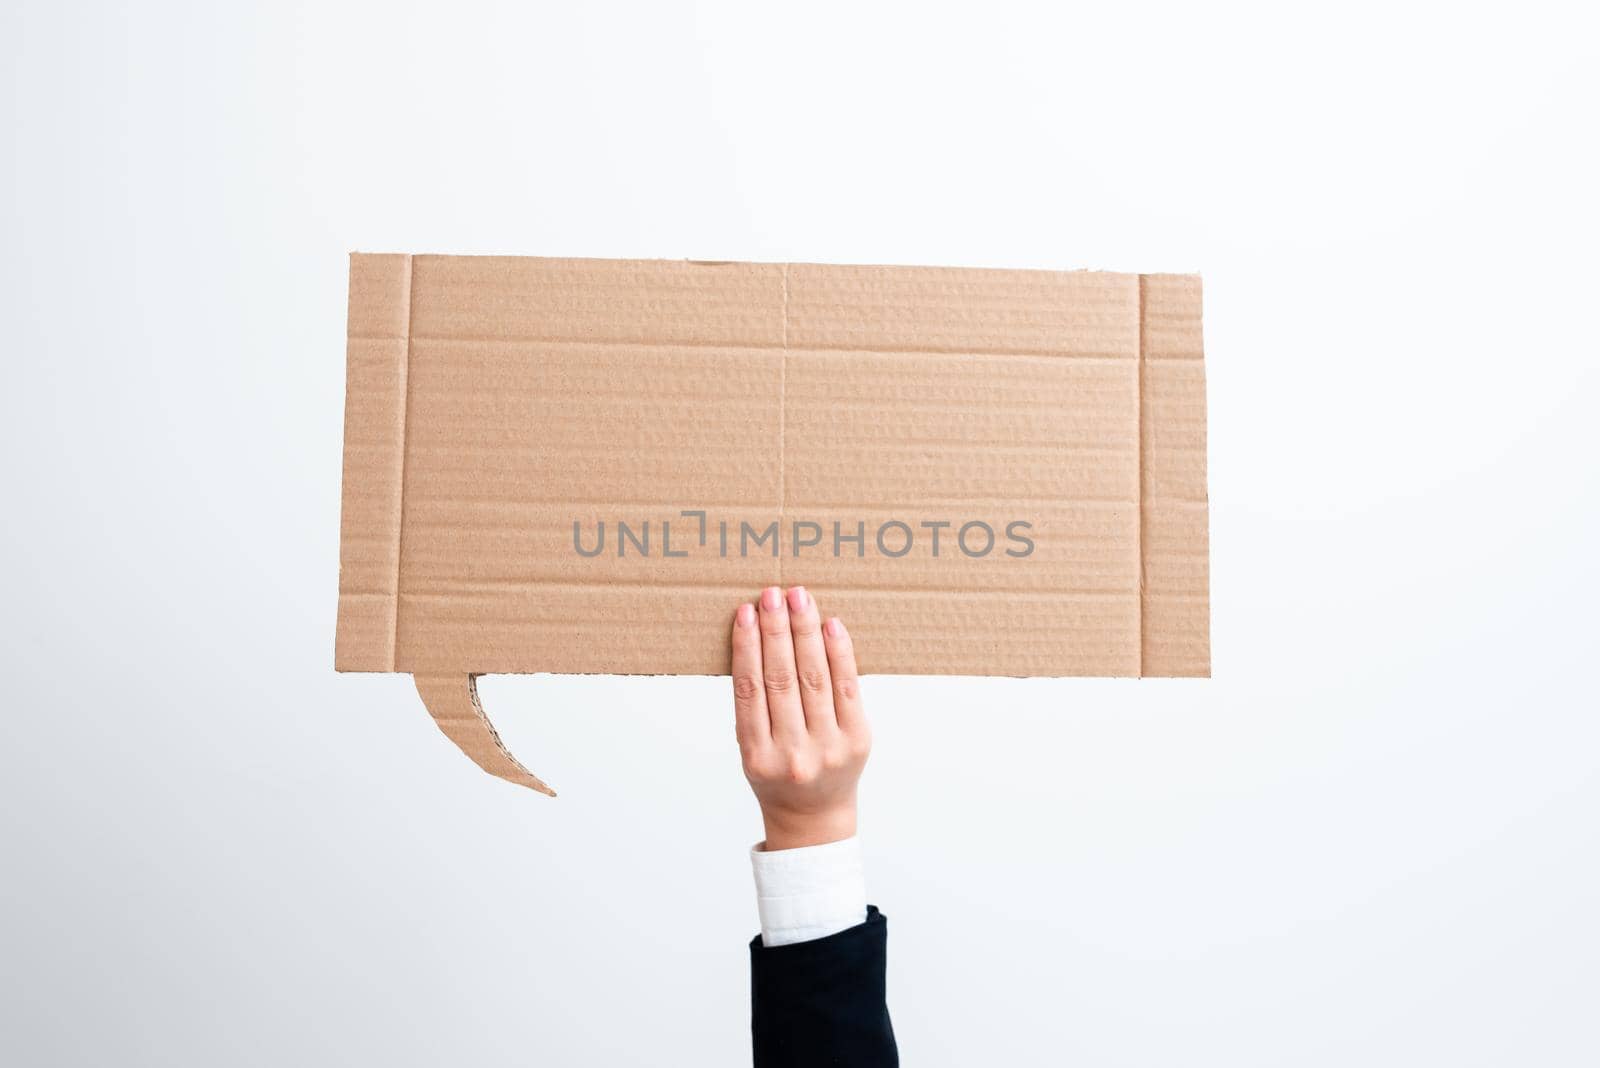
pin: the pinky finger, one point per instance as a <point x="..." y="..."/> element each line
<point x="846" y="683"/>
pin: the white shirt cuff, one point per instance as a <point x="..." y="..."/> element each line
<point x="808" y="893"/>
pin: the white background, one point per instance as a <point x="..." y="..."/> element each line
<point x="1370" y="839"/>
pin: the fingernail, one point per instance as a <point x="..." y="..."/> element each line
<point x="797" y="599"/>
<point x="833" y="627"/>
<point x="745" y="616"/>
<point x="772" y="598"/>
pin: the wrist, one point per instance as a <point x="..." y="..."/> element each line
<point x="795" y="830"/>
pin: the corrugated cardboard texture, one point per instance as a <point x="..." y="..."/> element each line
<point x="493" y="402"/>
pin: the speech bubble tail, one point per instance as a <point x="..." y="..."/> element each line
<point x="452" y="701"/>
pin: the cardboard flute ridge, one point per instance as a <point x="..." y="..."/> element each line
<point x="584" y="466"/>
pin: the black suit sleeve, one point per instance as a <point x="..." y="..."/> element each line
<point x="822" y="1002"/>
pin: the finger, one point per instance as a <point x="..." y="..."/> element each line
<point x="811" y="663"/>
<point x="777" y="667"/>
<point x="846" y="683"/>
<point x="750" y="721"/>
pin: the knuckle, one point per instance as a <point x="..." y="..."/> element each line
<point x="849" y="687"/>
<point x="746" y="688"/>
<point x="814" y="680"/>
<point x="800" y="771"/>
<point x="780" y="678"/>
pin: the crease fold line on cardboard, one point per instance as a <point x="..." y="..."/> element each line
<point x="783" y="417"/>
<point x="405" y="447"/>
<point x="1139" y="530"/>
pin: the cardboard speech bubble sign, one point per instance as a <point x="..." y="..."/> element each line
<point x="584" y="466"/>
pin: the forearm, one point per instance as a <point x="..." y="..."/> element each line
<point x="817" y="968"/>
<point x="823" y="1002"/>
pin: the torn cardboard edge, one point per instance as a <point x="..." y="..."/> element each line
<point x="837" y="310"/>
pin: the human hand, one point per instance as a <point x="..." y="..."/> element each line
<point x="797" y="708"/>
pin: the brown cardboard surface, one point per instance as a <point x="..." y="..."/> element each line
<point x="493" y="403"/>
